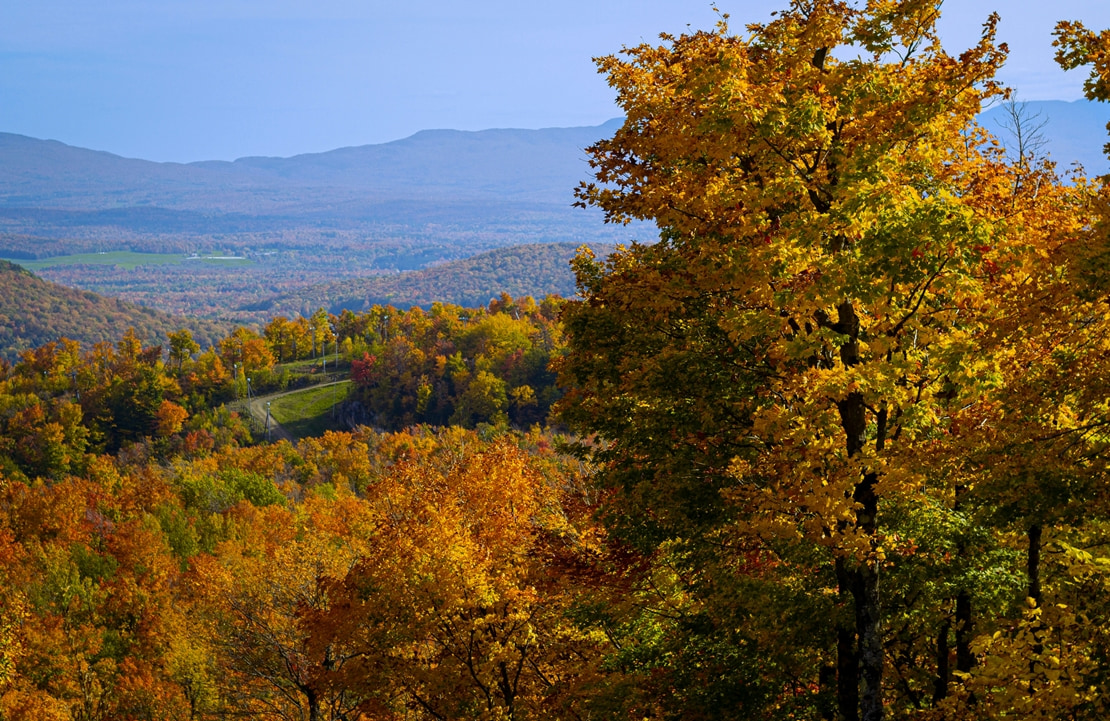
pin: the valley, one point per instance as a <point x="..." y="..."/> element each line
<point x="447" y="216"/>
<point x="303" y="226"/>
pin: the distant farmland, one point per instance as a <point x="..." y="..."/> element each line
<point x="125" y="259"/>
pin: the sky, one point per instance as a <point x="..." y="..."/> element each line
<point x="185" y="80"/>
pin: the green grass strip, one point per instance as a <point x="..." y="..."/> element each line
<point x="307" y="413"/>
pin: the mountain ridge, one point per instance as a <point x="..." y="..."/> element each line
<point x="495" y="161"/>
<point x="432" y="198"/>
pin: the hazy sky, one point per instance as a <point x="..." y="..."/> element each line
<point x="219" y="79"/>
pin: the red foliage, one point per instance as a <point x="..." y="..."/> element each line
<point x="362" y="371"/>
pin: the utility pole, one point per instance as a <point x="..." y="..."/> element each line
<point x="267" y="421"/>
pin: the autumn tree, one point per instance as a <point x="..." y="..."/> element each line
<point x="182" y="347"/>
<point x="320" y="325"/>
<point x="246" y="350"/>
<point x="278" y="336"/>
<point x="256" y="591"/>
<point x="458" y="608"/>
<point x="797" y="387"/>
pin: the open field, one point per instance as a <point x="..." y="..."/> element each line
<point x="125" y="259"/>
<point x="308" y="412"/>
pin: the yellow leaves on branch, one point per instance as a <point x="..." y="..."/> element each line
<point x="418" y="593"/>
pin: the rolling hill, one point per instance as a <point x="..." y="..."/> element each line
<point x="536" y="270"/>
<point x="34" y="312"/>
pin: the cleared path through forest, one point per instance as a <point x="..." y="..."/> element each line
<point x="258" y="410"/>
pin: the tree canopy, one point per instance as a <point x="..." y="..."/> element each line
<point x="858" y="376"/>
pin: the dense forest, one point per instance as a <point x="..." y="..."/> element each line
<point x="128" y="600"/>
<point x="34" y="311"/>
<point x="266" y="284"/>
<point x="834" y="448"/>
<point x="536" y="270"/>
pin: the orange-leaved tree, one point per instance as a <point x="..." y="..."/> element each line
<point x="460" y="608"/>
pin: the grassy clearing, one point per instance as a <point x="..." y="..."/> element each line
<point x="124" y="259"/>
<point x="308" y="413"/>
<point x="310" y="366"/>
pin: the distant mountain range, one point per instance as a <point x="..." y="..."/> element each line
<point x="489" y="181"/>
<point x="535" y="165"/>
<point x="512" y="185"/>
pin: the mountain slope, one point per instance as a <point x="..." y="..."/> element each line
<point x="540" y="166"/>
<point x="537" y="165"/>
<point x="34" y="311"/>
<point x="536" y="270"/>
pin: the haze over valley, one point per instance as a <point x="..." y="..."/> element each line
<point x="343" y="229"/>
<point x="259" y="229"/>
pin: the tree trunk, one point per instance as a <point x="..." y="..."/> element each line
<point x="965" y="660"/>
<point x="868" y="610"/>
<point x="940" y="684"/>
<point x="964" y="626"/>
<point x="865" y="578"/>
<point x="847" y="658"/>
<point x="313" y="704"/>
<point x="1033" y="564"/>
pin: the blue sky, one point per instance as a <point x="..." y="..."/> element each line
<point x="190" y="80"/>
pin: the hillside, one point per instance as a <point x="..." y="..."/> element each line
<point x="536" y="270"/>
<point x="34" y="312"/>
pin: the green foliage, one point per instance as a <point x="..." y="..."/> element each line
<point x="253" y="487"/>
<point x="181" y="535"/>
<point x="219" y="492"/>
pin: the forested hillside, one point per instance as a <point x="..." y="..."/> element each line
<point x="535" y="270"/>
<point x="161" y="560"/>
<point x="34" y="311"/>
